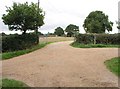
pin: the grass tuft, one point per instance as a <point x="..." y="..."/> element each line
<point x="78" y="45"/>
<point x="7" y="83"/>
<point x="114" y="65"/>
<point x="9" y="55"/>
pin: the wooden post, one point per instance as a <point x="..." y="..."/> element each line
<point x="94" y="38"/>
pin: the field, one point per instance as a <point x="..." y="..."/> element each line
<point x="55" y="39"/>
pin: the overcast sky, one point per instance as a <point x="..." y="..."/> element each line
<point x="64" y="12"/>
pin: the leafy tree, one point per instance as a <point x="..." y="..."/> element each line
<point x="118" y="23"/>
<point x="59" y="31"/>
<point x="23" y="17"/>
<point x="71" y="29"/>
<point x="51" y="33"/>
<point x="40" y="33"/>
<point x="97" y="22"/>
<point x="3" y="34"/>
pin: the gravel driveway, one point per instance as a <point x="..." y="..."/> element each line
<point x="60" y="65"/>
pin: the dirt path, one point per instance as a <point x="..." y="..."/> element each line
<point x="59" y="65"/>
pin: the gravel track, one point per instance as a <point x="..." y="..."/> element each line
<point x="60" y="65"/>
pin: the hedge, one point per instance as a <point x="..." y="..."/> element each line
<point x="18" y="42"/>
<point x="99" y="38"/>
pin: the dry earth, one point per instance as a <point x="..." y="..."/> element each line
<point x="60" y="65"/>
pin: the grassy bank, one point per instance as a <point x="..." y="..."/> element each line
<point x="78" y="45"/>
<point x="114" y="65"/>
<point x="7" y="83"/>
<point x="9" y="55"/>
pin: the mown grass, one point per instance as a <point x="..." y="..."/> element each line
<point x="78" y="45"/>
<point x="114" y="65"/>
<point x="9" y="83"/>
<point x="9" y="55"/>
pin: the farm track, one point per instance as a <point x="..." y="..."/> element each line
<point x="60" y="65"/>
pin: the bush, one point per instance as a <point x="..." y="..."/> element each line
<point x="108" y="39"/>
<point x="18" y="42"/>
<point x="100" y="38"/>
<point x="85" y="38"/>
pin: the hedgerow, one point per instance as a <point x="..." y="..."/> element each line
<point x="18" y="42"/>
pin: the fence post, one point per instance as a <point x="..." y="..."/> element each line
<point x="94" y="38"/>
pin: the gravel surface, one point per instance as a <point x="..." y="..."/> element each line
<point x="60" y="65"/>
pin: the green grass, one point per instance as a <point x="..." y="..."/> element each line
<point x="9" y="55"/>
<point x="78" y="45"/>
<point x="114" y="65"/>
<point x="13" y="83"/>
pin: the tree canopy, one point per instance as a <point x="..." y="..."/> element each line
<point x="71" y="29"/>
<point x="23" y="17"/>
<point x="97" y="22"/>
<point x="59" y="31"/>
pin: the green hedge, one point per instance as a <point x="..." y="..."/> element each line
<point x="108" y="39"/>
<point x="100" y="38"/>
<point x="84" y="38"/>
<point x="18" y="42"/>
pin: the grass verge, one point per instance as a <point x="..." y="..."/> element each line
<point x="7" y="83"/>
<point x="78" y="45"/>
<point x="9" y="55"/>
<point x="114" y="65"/>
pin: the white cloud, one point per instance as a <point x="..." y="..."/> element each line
<point x="65" y="12"/>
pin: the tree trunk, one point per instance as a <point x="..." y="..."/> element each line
<point x="24" y="32"/>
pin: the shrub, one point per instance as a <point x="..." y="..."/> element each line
<point x="100" y="38"/>
<point x="85" y="38"/>
<point x="108" y="39"/>
<point x="18" y="42"/>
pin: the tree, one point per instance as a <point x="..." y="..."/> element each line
<point x="71" y="29"/>
<point x="3" y="34"/>
<point x="97" y="22"/>
<point x="40" y="33"/>
<point x="59" y="31"/>
<point x="118" y="23"/>
<point x="23" y="17"/>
